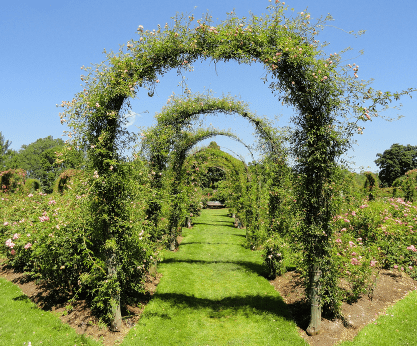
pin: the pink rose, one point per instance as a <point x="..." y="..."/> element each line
<point x="10" y="244"/>
<point x="28" y="245"/>
<point x="412" y="248"/>
<point x="354" y="261"/>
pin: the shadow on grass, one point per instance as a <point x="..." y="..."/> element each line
<point x="22" y="298"/>
<point x="248" y="265"/>
<point x="226" y="307"/>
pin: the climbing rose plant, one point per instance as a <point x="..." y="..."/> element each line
<point x="321" y="91"/>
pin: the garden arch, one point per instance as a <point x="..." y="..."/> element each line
<point x="169" y="136"/>
<point x="292" y="58"/>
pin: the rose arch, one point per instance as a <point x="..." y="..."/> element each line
<point x="301" y="77"/>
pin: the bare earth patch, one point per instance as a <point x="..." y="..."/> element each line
<point x="391" y="286"/>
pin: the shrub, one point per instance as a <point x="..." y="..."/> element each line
<point x="275" y="252"/>
<point x="12" y="180"/>
<point x="371" y="185"/>
<point x="32" y="185"/>
<point x="62" y="183"/>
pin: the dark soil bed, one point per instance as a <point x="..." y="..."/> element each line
<point x="391" y="286"/>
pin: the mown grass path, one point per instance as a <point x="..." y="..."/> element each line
<point x="212" y="293"/>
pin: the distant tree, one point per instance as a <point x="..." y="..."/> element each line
<point x="38" y="160"/>
<point x="214" y="145"/>
<point x="4" y="149"/>
<point x="395" y="161"/>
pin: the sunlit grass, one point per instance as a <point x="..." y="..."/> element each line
<point x="21" y="322"/>
<point x="213" y="293"/>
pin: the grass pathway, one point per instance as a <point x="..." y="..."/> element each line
<point x="212" y="293"/>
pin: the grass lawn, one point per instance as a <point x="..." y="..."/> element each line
<point x="212" y="293"/>
<point x="21" y="322"/>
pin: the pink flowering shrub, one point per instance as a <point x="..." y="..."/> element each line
<point x="358" y="264"/>
<point x="50" y="236"/>
<point x="388" y="225"/>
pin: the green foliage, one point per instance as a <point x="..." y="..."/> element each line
<point x="409" y="185"/>
<point x="56" y="239"/>
<point x="383" y="230"/>
<point x="4" y="150"/>
<point x="275" y="252"/>
<point x="371" y="185"/>
<point x="32" y="185"/>
<point x="12" y="180"/>
<point x="395" y="161"/>
<point x="62" y="182"/>
<point x="38" y="160"/>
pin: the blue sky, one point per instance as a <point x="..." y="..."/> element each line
<point x="44" y="44"/>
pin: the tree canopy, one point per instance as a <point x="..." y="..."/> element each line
<point x="4" y="149"/>
<point x="395" y="162"/>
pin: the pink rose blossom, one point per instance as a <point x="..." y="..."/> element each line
<point x="412" y="248"/>
<point x="410" y="267"/>
<point x="13" y="252"/>
<point x="373" y="263"/>
<point x="351" y="243"/>
<point x="9" y="243"/>
<point x="354" y="261"/>
<point x="395" y="266"/>
<point x="338" y="240"/>
<point x="28" y="245"/>
<point x="5" y="224"/>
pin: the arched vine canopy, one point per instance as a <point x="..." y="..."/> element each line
<point x="176" y="117"/>
<point x="320" y="90"/>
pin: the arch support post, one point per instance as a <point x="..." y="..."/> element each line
<point x="315" y="299"/>
<point x="115" y="310"/>
<point x="172" y="240"/>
